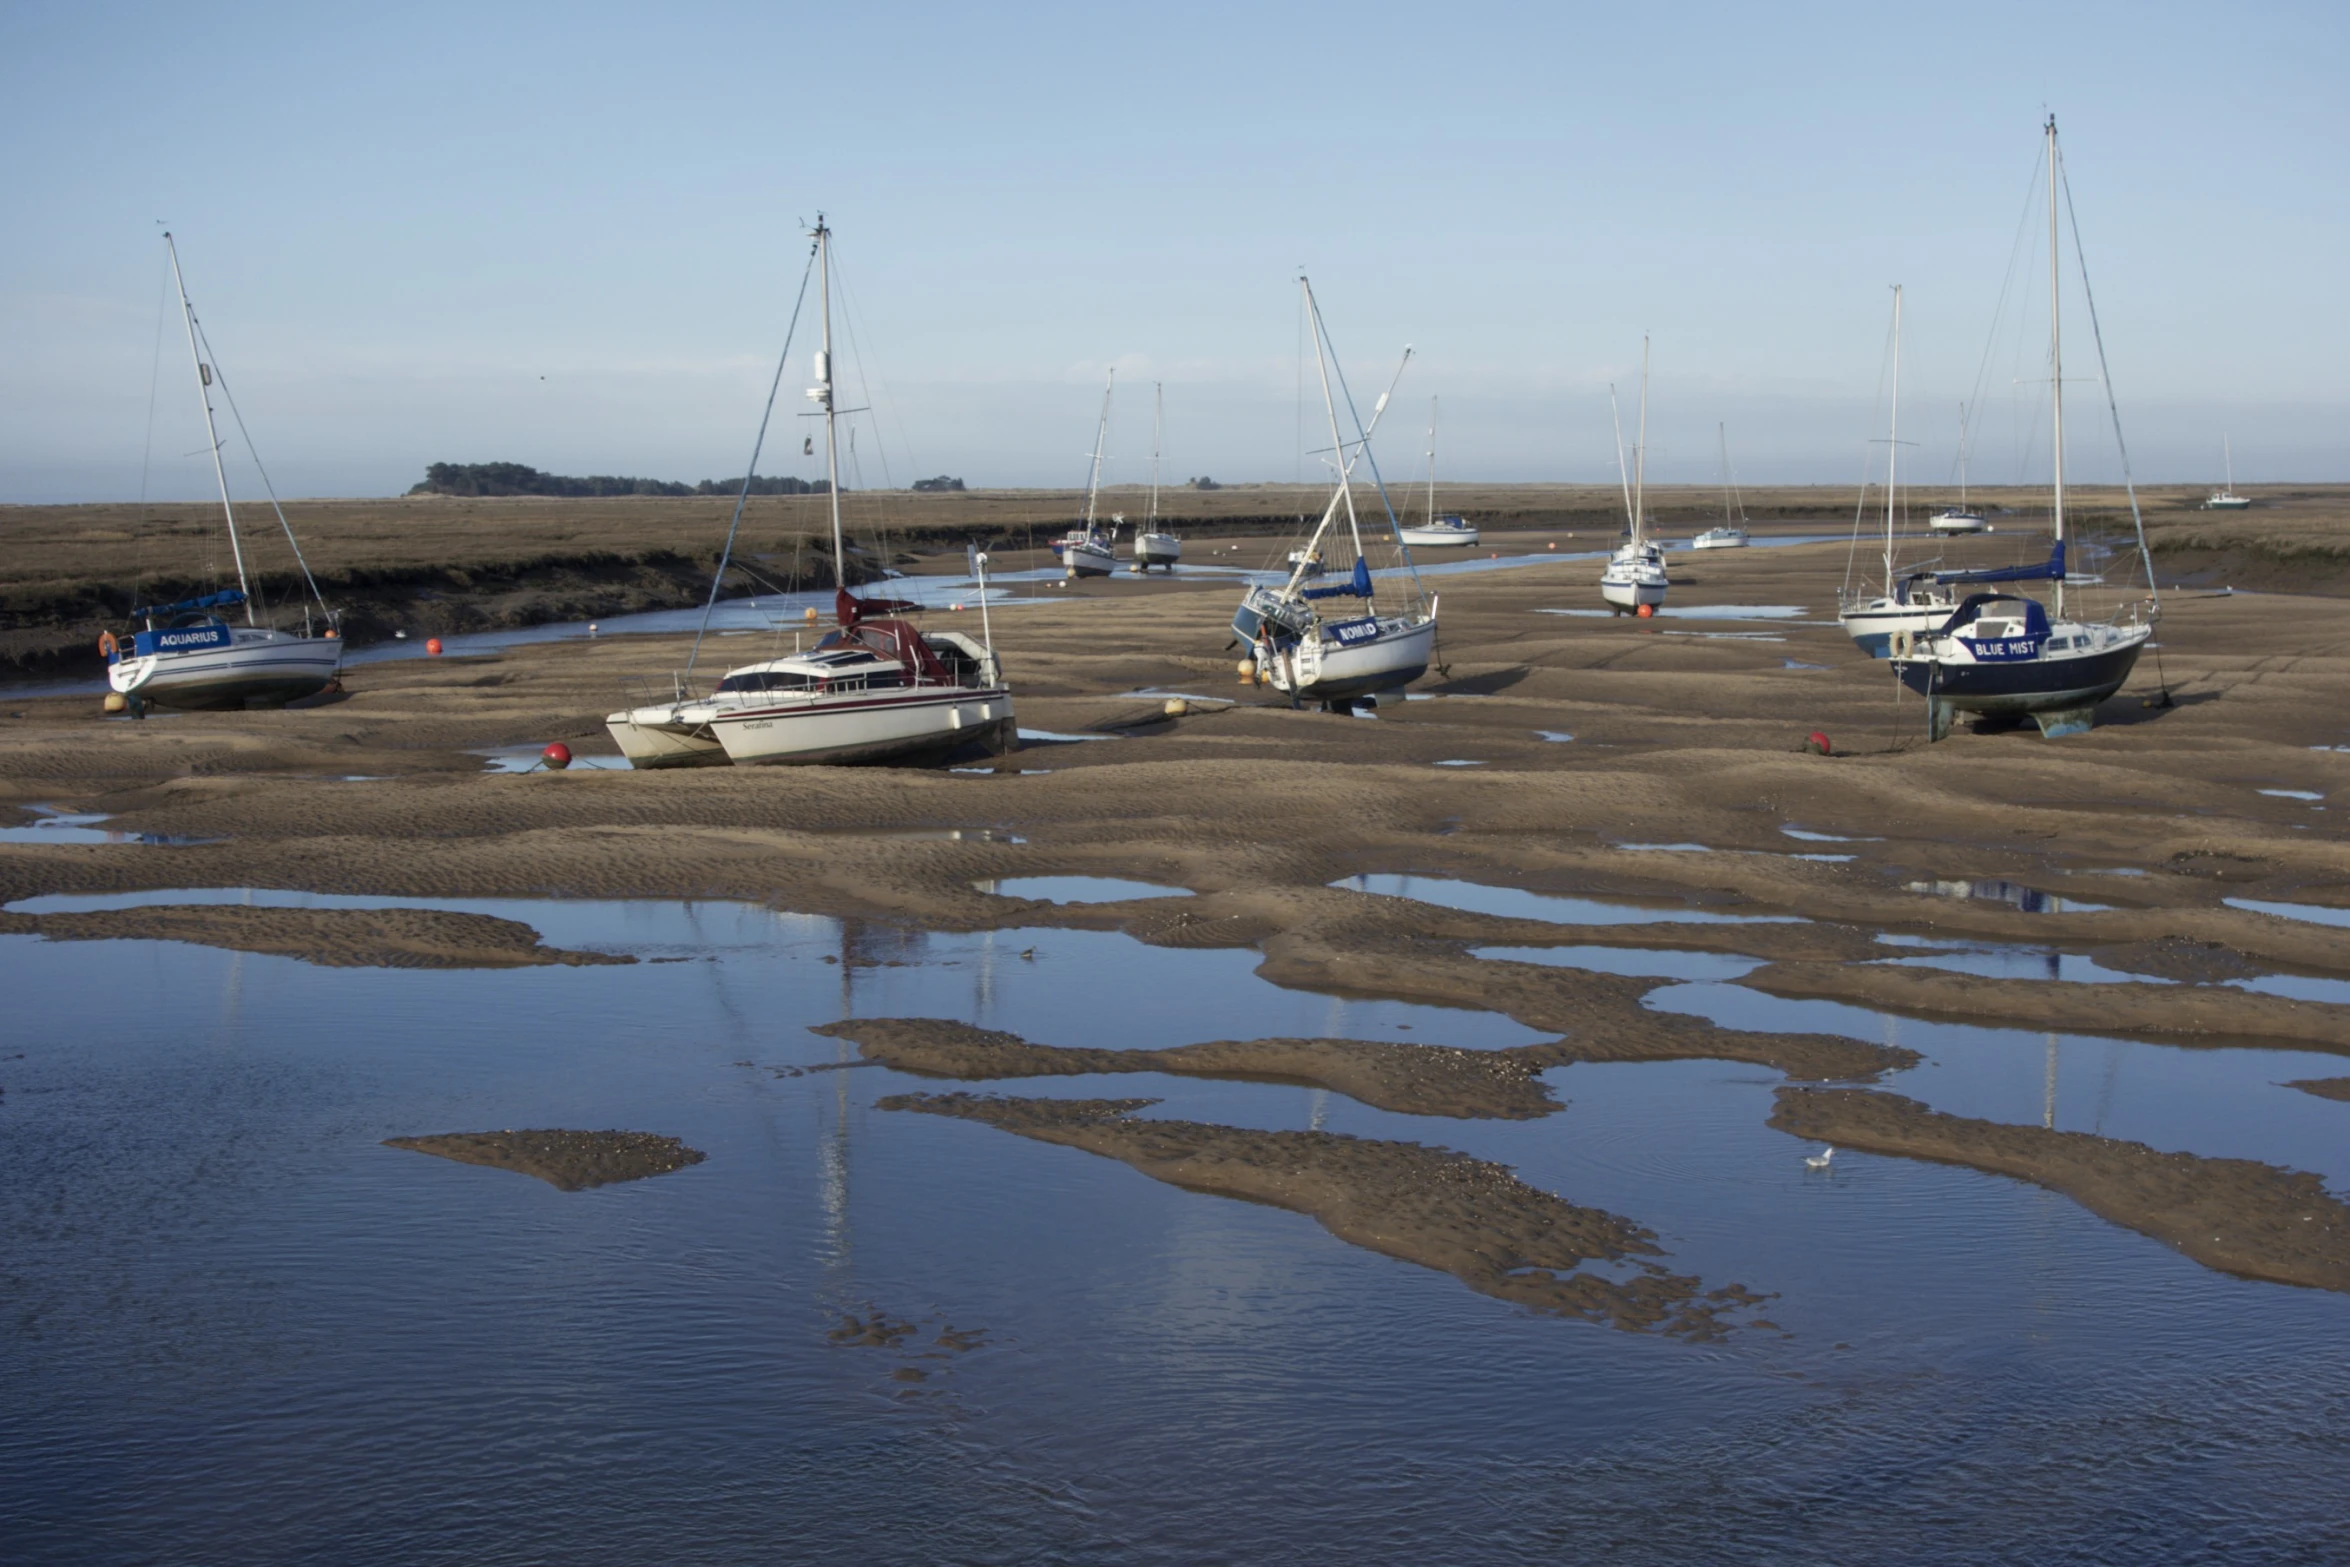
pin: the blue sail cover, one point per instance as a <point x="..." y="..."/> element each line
<point x="2051" y="571"/>
<point x="209" y="601"/>
<point x="1356" y="586"/>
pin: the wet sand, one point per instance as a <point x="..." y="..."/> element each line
<point x="1442" y="1210"/>
<point x="330" y="938"/>
<point x="572" y="1161"/>
<point x="2236" y="1215"/>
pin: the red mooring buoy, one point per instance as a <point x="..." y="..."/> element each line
<point x="1817" y="744"/>
<point x="1645" y="611"/>
<point x="432" y="645"/>
<point x="557" y="756"/>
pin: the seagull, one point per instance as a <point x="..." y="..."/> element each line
<point x="1820" y="1160"/>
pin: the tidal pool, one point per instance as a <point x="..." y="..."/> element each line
<point x="241" y="1329"/>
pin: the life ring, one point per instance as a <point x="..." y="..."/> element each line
<point x="108" y="646"/>
<point x="1900" y="643"/>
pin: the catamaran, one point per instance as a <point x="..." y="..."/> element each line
<point x="1909" y="604"/>
<point x="1156" y="544"/>
<point x="2225" y="498"/>
<point x="1446" y="532"/>
<point x="874" y="689"/>
<point x="1731" y="535"/>
<point x="1309" y="641"/>
<point x="2002" y="653"/>
<point x="187" y="654"/>
<point x="1634" y="579"/>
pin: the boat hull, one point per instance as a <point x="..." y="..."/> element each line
<point x="1330" y="666"/>
<point x="1953" y="522"/>
<point x="1441" y="538"/>
<point x="1157" y="549"/>
<point x="2060" y="693"/>
<point x="1874" y="625"/>
<point x="257" y="668"/>
<point x="656" y="737"/>
<point x="913" y="725"/>
<point x="1627" y="592"/>
<point x="1719" y="539"/>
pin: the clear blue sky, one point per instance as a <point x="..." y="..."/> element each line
<point x="569" y="235"/>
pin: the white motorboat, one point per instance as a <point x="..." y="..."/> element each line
<point x="1446" y="532"/>
<point x="1731" y="535"/>
<point x="874" y="689"/>
<point x="1311" y="642"/>
<point x="2225" y="498"/>
<point x="186" y="654"/>
<point x="1156" y="544"/>
<point x="2002" y="654"/>
<point x="1634" y="581"/>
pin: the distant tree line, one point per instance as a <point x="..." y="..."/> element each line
<point x="513" y="478"/>
<point x="942" y="482"/>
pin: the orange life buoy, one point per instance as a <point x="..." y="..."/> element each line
<point x="107" y="646"/>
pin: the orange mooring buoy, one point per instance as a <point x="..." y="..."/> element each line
<point x="432" y="646"/>
<point x="557" y="756"/>
<point x="1645" y="611"/>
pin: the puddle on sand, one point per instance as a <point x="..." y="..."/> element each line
<point x="1826" y="859"/>
<point x="1516" y="903"/>
<point x="1056" y="737"/>
<point x="54" y="826"/>
<point x="1993" y="961"/>
<point x="202" y="1219"/>
<point x="1078" y="889"/>
<point x="2031" y="900"/>
<point x="1001" y="772"/>
<point x="2293" y="794"/>
<point x="2312" y="913"/>
<point x="1554" y="736"/>
<point x="1796" y="663"/>
<point x="1460" y="761"/>
<point x="1668" y="848"/>
<point x="532" y="759"/>
<point x="1824" y="837"/>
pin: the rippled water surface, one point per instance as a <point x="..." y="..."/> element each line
<point x="239" y="1329"/>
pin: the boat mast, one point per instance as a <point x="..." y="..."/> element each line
<point x="204" y="396"/>
<point x="1623" y="474"/>
<point x="2227" y="456"/>
<point x="822" y="393"/>
<point x="1101" y="434"/>
<point x="1431" y="462"/>
<point x="1640" y="455"/>
<point x="2055" y="356"/>
<point x="1962" y="506"/>
<point x="1722" y="434"/>
<point x="1893" y="439"/>
<point x="1346" y="491"/>
<point x="1158" y="434"/>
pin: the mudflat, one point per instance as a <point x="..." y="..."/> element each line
<point x="1655" y="766"/>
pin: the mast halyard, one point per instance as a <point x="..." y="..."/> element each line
<point x="2056" y="360"/>
<point x="1337" y="442"/>
<point x="1623" y="474"/>
<point x="1101" y="436"/>
<point x="211" y="430"/>
<point x="1893" y="441"/>
<point x="1431" y="462"/>
<point x="1158" y="433"/>
<point x="821" y="392"/>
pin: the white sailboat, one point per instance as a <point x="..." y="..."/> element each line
<point x="1446" y="532"/>
<point x="2002" y="653"/>
<point x="1731" y="535"/>
<point x="874" y="689"/>
<point x="2225" y="498"/>
<point x="1960" y="518"/>
<point x="1909" y="604"/>
<point x="1156" y="544"/>
<point x="1634" y="580"/>
<point x="1310" y="641"/>
<point x="187" y="654"/>
<point x="1089" y="549"/>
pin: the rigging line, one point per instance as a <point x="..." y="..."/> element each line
<point x="848" y="321"/>
<point x="1395" y="528"/>
<point x="2113" y="408"/>
<point x="221" y="376"/>
<point x="726" y="554"/>
<point x="1868" y="462"/>
<point x="2015" y="253"/>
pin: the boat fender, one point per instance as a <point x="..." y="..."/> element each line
<point x="108" y="646"/>
<point x="1900" y="644"/>
<point x="556" y="756"/>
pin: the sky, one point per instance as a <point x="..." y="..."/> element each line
<point x="571" y="236"/>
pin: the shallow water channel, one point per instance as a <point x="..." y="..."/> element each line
<point x="241" y="1329"/>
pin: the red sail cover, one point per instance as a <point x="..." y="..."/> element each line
<point x="849" y="609"/>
